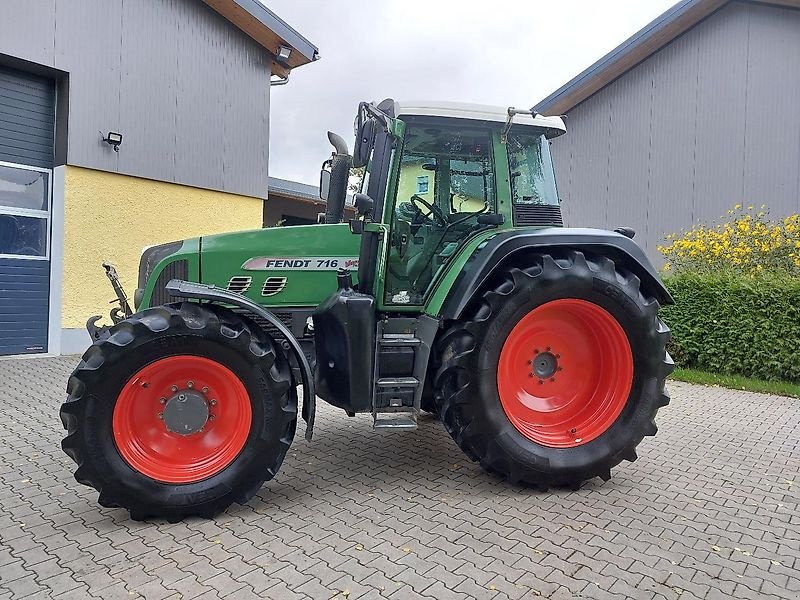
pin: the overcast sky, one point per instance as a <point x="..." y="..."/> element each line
<point x="502" y="52"/>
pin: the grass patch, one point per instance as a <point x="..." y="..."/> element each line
<point x="737" y="382"/>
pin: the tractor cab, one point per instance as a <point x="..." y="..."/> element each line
<point x="435" y="174"/>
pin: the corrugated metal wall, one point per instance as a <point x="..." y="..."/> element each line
<point x="708" y="122"/>
<point x="186" y="88"/>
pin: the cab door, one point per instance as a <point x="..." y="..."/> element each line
<point x="445" y="181"/>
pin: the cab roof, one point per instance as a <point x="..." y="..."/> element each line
<point x="554" y="126"/>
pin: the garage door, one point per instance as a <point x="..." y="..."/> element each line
<point x="27" y="119"/>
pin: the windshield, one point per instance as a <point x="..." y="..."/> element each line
<point x="531" y="169"/>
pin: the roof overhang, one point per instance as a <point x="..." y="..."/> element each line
<point x="652" y="38"/>
<point x="269" y="30"/>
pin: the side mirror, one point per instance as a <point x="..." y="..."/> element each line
<point x="324" y="182"/>
<point x="365" y="138"/>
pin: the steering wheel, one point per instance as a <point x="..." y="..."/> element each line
<point x="434" y="215"/>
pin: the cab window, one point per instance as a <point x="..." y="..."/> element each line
<point x="531" y="170"/>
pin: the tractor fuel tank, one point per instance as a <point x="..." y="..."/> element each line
<point x="344" y="338"/>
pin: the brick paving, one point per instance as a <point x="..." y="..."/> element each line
<point x="710" y="510"/>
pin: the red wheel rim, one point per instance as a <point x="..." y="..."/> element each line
<point x="150" y="447"/>
<point x="565" y="373"/>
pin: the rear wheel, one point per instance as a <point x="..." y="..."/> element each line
<point x="181" y="411"/>
<point x="557" y="373"/>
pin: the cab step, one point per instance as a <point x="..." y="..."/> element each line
<point x="399" y="382"/>
<point x="398" y="421"/>
<point x="398" y="339"/>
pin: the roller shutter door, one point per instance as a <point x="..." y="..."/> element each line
<point x="27" y="122"/>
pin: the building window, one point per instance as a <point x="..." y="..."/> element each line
<point x="24" y="211"/>
<point x="423" y="182"/>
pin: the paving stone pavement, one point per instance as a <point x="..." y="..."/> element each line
<point x="710" y="510"/>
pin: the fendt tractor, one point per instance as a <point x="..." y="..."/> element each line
<point x="456" y="290"/>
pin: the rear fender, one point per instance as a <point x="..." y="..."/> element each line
<point x="509" y="245"/>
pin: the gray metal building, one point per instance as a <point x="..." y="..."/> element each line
<point x="694" y="114"/>
<point x="186" y="84"/>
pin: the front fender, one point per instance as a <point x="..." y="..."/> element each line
<point x="496" y="251"/>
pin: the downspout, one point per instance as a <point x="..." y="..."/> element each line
<point x="280" y="80"/>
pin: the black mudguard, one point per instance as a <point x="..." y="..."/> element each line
<point x="201" y="291"/>
<point x="508" y="244"/>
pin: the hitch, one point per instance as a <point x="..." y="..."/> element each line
<point x="123" y="311"/>
<point x="117" y="314"/>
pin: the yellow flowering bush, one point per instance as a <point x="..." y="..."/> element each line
<point x="736" y="285"/>
<point x="747" y="242"/>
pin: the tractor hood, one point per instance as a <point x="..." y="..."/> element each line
<point x="280" y="266"/>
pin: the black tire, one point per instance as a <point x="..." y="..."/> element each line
<point x="466" y="384"/>
<point x="174" y="330"/>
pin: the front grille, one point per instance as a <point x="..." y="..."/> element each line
<point x="537" y="214"/>
<point x="273" y="285"/>
<point x="178" y="269"/>
<point x="151" y="257"/>
<point x="239" y="284"/>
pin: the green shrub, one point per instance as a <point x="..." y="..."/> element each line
<point x="733" y="324"/>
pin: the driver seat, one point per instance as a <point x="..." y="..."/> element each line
<point x="416" y="264"/>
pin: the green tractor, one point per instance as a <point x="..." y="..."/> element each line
<point x="455" y="291"/>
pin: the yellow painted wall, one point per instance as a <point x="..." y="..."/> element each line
<point x="112" y="217"/>
<point x="407" y="187"/>
<point x="407" y="183"/>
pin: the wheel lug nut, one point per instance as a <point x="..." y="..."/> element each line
<point x="174" y="388"/>
<point x="213" y="403"/>
<point x="163" y="400"/>
<point x="573" y="430"/>
<point x="205" y="390"/>
<point x="560" y="368"/>
<point x="211" y="417"/>
<point x="536" y="351"/>
<point x="553" y="379"/>
<point x="190" y="384"/>
<point x="160" y="415"/>
<point x="541" y="382"/>
<point x="558" y="356"/>
<point x="547" y="349"/>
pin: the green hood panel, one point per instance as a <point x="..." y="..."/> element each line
<point x="307" y="256"/>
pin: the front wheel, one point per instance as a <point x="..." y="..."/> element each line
<point x="557" y="372"/>
<point x="181" y="411"/>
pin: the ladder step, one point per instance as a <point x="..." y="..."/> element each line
<point x="396" y="339"/>
<point x="385" y="382"/>
<point x="401" y="421"/>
